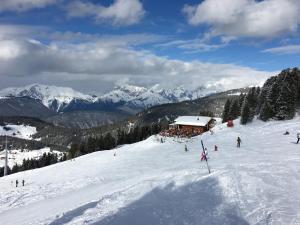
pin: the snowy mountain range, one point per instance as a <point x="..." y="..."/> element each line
<point x="56" y="98"/>
<point x="62" y="99"/>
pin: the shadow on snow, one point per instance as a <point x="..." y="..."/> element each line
<point x="196" y="203"/>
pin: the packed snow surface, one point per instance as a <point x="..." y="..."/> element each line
<point x="18" y="131"/>
<point x="154" y="183"/>
<point x="16" y="156"/>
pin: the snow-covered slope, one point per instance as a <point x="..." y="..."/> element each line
<point x="18" y="131"/>
<point x="159" y="183"/>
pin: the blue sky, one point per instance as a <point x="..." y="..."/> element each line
<point x="94" y="45"/>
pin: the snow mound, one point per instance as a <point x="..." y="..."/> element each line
<point x="160" y="183"/>
<point x="18" y="131"/>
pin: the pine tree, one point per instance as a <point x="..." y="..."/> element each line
<point x="245" y="114"/>
<point x="234" y="110"/>
<point x="269" y="107"/>
<point x="252" y="100"/>
<point x="286" y="103"/>
<point x="109" y="141"/>
<point x="241" y="101"/>
<point x="225" y="115"/>
<point x="266" y="112"/>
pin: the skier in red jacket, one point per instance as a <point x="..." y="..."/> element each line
<point x="204" y="155"/>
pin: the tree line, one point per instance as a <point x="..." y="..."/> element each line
<point x="29" y="164"/>
<point x="277" y="99"/>
<point x="108" y="141"/>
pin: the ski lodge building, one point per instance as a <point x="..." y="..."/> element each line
<point x="191" y="125"/>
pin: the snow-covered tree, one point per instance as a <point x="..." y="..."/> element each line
<point x="266" y="111"/>
<point x="245" y="113"/>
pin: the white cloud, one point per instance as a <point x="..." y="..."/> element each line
<point x="8" y="31"/>
<point x="24" y="5"/>
<point x="116" y="40"/>
<point x="192" y="46"/>
<point x="10" y="50"/>
<point x="288" y="49"/>
<point x="95" y="63"/>
<point x="120" y="12"/>
<point x="246" y="18"/>
<point x="88" y="64"/>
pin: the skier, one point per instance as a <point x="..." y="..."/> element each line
<point x="286" y="133"/>
<point x="239" y="142"/>
<point x="204" y="155"/>
<point x="17" y="182"/>
<point x="216" y="148"/>
<point x="298" y="138"/>
<point x="23" y="182"/>
<point x="185" y="148"/>
<point x="115" y="154"/>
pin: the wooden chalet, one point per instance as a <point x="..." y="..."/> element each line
<point x="191" y="125"/>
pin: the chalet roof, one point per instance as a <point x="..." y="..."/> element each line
<point x="193" y="120"/>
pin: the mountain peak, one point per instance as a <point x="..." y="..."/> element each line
<point x="46" y="94"/>
<point x="129" y="88"/>
<point x="59" y="98"/>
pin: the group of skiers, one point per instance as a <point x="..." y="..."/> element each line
<point x="239" y="141"/>
<point x="17" y="183"/>
<point x="205" y="152"/>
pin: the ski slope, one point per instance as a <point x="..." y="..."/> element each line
<point x="153" y="183"/>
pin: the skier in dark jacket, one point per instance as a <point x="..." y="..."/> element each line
<point x="17" y="182"/>
<point x="298" y="138"/>
<point x="239" y="141"/>
<point x="216" y="148"/>
<point x="23" y="182"/>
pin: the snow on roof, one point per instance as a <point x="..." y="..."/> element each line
<point x="193" y="120"/>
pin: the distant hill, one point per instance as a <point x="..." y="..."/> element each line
<point x="46" y="134"/>
<point x="24" y="106"/>
<point x="211" y="104"/>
